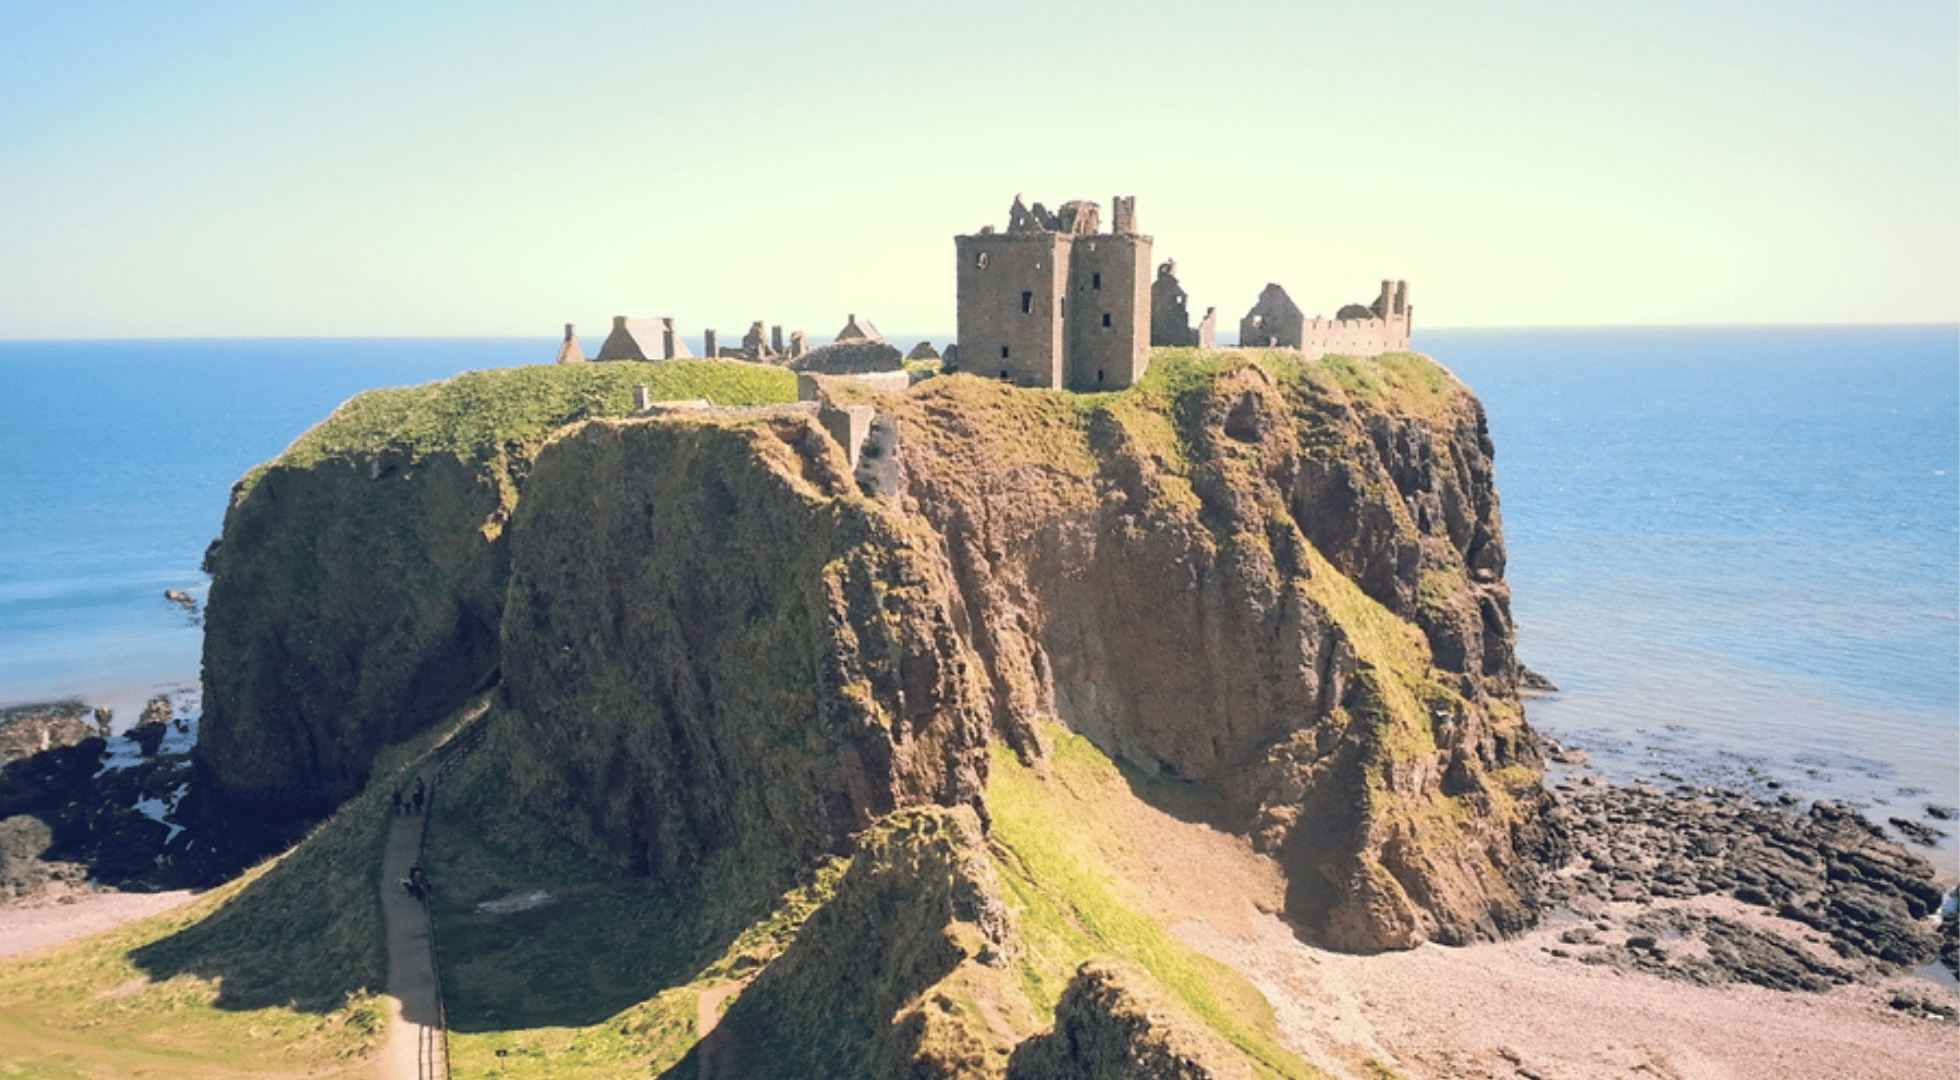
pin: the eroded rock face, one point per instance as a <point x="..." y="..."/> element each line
<point x="716" y="643"/>
<point x="1112" y="1024"/>
<point x="353" y="602"/>
<point x="1225" y="589"/>
<point x="870" y="984"/>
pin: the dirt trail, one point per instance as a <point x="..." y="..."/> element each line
<point x="414" y="1050"/>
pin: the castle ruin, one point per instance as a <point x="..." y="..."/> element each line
<point x="1053" y="302"/>
<point x="1276" y="322"/>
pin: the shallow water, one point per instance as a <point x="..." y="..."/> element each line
<point x="1738" y="550"/>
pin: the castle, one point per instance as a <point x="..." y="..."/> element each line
<point x="1053" y="302"/>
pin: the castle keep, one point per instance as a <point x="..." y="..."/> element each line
<point x="1053" y="302"/>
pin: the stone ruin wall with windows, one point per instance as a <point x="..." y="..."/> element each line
<point x="1053" y="302"/>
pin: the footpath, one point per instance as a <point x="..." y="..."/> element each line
<point x="415" y="1049"/>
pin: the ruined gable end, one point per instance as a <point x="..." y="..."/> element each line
<point x="569" y="352"/>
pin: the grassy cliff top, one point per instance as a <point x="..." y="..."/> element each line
<point x="1400" y="382"/>
<point x="476" y="414"/>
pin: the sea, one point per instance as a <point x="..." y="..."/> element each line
<point x="1735" y="551"/>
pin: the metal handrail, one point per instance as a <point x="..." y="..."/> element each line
<point x="452" y="756"/>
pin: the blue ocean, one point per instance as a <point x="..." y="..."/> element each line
<point x="1736" y="551"/>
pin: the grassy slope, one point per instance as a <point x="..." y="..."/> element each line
<point x="274" y="973"/>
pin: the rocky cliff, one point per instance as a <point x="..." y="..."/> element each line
<point x="359" y="582"/>
<point x="1279" y="584"/>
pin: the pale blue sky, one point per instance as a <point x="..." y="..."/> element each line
<point x="496" y="167"/>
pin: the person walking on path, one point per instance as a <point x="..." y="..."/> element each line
<point x="414" y="1046"/>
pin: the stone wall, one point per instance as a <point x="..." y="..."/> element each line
<point x="1275" y="321"/>
<point x="1010" y="305"/>
<point x="1053" y="303"/>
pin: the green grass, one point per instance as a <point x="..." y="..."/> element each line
<point x="275" y="973"/>
<point x="605" y="978"/>
<point x="1068" y="905"/>
<point x="478" y="414"/>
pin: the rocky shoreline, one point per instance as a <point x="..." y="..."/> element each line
<point x="1709" y="885"/>
<point x="82" y="810"/>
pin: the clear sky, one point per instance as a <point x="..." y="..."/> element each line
<point x="176" y="168"/>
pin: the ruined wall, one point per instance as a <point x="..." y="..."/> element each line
<point x="1109" y="312"/>
<point x="1384" y="326"/>
<point x="1275" y="321"/>
<point x="1010" y="305"/>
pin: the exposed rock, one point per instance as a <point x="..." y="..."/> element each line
<point x="1113" y="1024"/>
<point x="1918" y="833"/>
<point x="716" y="642"/>
<point x="881" y="980"/>
<point x="352" y="603"/>
<point x="1199" y="622"/>
<point x="1827" y="869"/>
<point x="26" y="730"/>
<point x="152" y="726"/>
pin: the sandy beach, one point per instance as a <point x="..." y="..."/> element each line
<point x="1513" y="1011"/>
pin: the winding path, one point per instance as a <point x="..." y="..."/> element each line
<point x="414" y="1050"/>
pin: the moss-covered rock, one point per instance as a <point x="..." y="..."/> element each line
<point x="358" y="586"/>
<point x="1279" y="582"/>
<point x="1113" y="1024"/>
<point x="715" y="642"/>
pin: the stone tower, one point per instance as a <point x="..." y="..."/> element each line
<point x="1053" y="302"/>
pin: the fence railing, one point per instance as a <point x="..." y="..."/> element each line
<point x="434" y="1041"/>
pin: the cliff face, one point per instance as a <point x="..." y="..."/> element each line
<point x="716" y="643"/>
<point x="1223" y="580"/>
<point x="359" y="583"/>
<point x="353" y="602"/>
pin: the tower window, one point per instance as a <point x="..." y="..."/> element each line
<point x="980" y="261"/>
<point x="1003" y="352"/>
<point x="1095" y="281"/>
<point x="1105" y="318"/>
<point x="1027" y="302"/>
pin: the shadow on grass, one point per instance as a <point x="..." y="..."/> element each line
<point x="303" y="931"/>
<point x="535" y="931"/>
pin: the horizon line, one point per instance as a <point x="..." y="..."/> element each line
<point x="1914" y="324"/>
